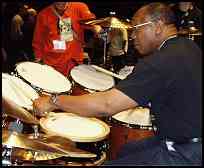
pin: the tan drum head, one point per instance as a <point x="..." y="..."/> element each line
<point x="44" y="77"/>
<point x="136" y="116"/>
<point x="74" y="127"/>
<point x="90" y="78"/>
<point x="17" y="91"/>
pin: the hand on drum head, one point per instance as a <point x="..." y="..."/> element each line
<point x="42" y="105"/>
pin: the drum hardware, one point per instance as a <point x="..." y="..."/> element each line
<point x="6" y="155"/>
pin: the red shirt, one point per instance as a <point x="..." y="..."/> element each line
<point x="46" y="31"/>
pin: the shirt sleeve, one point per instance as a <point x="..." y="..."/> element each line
<point x="39" y="36"/>
<point x="84" y="12"/>
<point x="143" y="84"/>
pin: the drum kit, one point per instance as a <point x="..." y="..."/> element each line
<point x="59" y="138"/>
<point x="28" y="139"/>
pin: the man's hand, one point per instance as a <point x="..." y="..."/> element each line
<point x="42" y="105"/>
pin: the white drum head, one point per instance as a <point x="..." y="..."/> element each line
<point x="17" y="91"/>
<point x="136" y="116"/>
<point x="44" y="77"/>
<point x="90" y="78"/>
<point x="74" y="127"/>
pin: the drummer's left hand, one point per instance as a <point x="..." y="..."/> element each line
<point x="42" y="105"/>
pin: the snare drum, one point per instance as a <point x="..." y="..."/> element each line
<point x="43" y="78"/>
<point x="88" y="79"/>
<point x="89" y="133"/>
<point x="132" y="124"/>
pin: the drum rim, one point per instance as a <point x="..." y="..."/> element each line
<point x="130" y="125"/>
<point x="100" y="137"/>
<point x="88" y="87"/>
<point x="43" y="89"/>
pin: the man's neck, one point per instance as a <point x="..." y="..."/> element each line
<point x="170" y="33"/>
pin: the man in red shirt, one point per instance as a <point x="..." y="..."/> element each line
<point x="58" y="37"/>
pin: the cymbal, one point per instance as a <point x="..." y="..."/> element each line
<point x="15" y="111"/>
<point x="65" y="145"/>
<point x="14" y="139"/>
<point x="109" y="22"/>
<point x="190" y="31"/>
<point x="31" y="155"/>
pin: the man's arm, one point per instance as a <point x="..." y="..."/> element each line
<point x="91" y="105"/>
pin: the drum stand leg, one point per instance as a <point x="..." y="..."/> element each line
<point x="36" y="132"/>
<point x="104" y="36"/>
<point x="6" y="156"/>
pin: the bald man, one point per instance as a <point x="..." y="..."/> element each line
<point x="169" y="77"/>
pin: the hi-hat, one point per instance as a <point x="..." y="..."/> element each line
<point x="109" y="22"/>
<point x="15" y="111"/>
<point x="14" y="139"/>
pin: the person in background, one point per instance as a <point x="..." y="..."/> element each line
<point x="28" y="31"/>
<point x="169" y="78"/>
<point x="188" y="15"/>
<point x="59" y="35"/>
<point x="118" y="46"/>
<point x="17" y="36"/>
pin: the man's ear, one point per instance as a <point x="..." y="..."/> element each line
<point x="159" y="28"/>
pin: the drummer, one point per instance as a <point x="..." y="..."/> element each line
<point x="58" y="36"/>
<point x="169" y="77"/>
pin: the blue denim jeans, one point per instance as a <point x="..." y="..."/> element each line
<point x="153" y="152"/>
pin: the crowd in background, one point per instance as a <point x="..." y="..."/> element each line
<point x="18" y="23"/>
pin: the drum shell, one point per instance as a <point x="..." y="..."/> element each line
<point x="122" y="133"/>
<point x="77" y="89"/>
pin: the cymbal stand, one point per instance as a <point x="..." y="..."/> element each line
<point x="6" y="155"/>
<point x="35" y="128"/>
<point x="104" y="36"/>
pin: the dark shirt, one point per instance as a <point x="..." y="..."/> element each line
<point x="170" y="79"/>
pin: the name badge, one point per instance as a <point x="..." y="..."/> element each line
<point x="59" y="44"/>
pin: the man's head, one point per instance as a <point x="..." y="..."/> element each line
<point x="60" y="7"/>
<point x="152" y="24"/>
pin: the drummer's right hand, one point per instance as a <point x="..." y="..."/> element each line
<point x="42" y="105"/>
